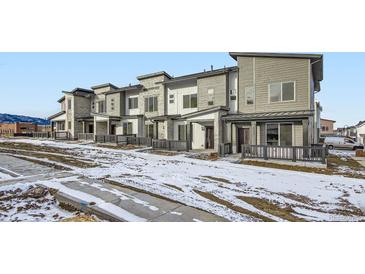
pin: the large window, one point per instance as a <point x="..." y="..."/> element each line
<point x="149" y="130"/>
<point x="210" y="96"/>
<point x="127" y="128"/>
<point x="182" y="132"/>
<point x="279" y="134"/>
<point x="250" y="95"/>
<point x="282" y="92"/>
<point x="190" y="101"/>
<point x="133" y="103"/>
<point x="150" y="104"/>
<point x="69" y="104"/>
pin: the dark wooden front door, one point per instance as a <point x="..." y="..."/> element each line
<point x="91" y="128"/>
<point x="243" y="137"/>
<point x="209" y="137"/>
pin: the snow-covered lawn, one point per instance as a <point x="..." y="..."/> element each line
<point x="234" y="191"/>
<point x="4" y="176"/>
<point x="28" y="202"/>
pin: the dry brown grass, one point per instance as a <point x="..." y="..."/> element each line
<point x="217" y="179"/>
<point x="285" y="213"/>
<point x="81" y="218"/>
<point x="175" y="187"/>
<point x="119" y="147"/>
<point x="333" y="162"/>
<point x="236" y="208"/>
<point x="42" y="153"/>
<point x="163" y="152"/>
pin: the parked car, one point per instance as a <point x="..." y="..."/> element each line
<point x="342" y="142"/>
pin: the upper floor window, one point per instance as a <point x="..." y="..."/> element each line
<point x="171" y="98"/>
<point x="69" y="104"/>
<point x="190" y="101"/>
<point x="101" y="107"/>
<point x="133" y="103"/>
<point x="250" y="95"/>
<point x="282" y="92"/>
<point x="233" y="94"/>
<point x="112" y="104"/>
<point x="210" y="96"/>
<point x="150" y="104"/>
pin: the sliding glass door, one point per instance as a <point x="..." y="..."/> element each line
<point x="279" y="134"/>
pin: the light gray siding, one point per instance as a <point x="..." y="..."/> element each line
<point x="259" y="72"/>
<point x="220" y="85"/>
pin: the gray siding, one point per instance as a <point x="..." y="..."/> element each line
<point x="116" y="99"/>
<point x="220" y="85"/>
<point x="152" y="88"/>
<point x="262" y="71"/>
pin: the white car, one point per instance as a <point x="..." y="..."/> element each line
<point x="342" y="142"/>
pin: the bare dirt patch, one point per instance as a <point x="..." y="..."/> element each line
<point x="334" y="162"/>
<point x="163" y="152"/>
<point x="66" y="159"/>
<point x="272" y="208"/>
<point x="119" y="147"/>
<point x="175" y="187"/>
<point x="217" y="179"/>
<point x="236" y="208"/>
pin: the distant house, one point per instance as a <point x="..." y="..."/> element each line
<point x="360" y="132"/>
<point x="349" y="131"/>
<point x="327" y="126"/>
<point x="18" y="127"/>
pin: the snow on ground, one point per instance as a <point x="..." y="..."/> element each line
<point x="27" y="202"/>
<point x="4" y="176"/>
<point x="311" y="196"/>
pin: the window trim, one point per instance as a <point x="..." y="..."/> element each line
<point x="129" y="101"/>
<point x="254" y="96"/>
<point x="190" y="97"/>
<point x="213" y="96"/>
<point x="279" y="131"/>
<point x="154" y="106"/>
<point x="281" y="92"/>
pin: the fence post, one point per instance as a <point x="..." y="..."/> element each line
<point x="243" y="152"/>
<point x="187" y="145"/>
<point x="265" y="153"/>
<point x="168" y="145"/>
<point x="324" y="154"/>
<point x="294" y="154"/>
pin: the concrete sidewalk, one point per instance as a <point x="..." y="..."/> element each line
<point x="107" y="201"/>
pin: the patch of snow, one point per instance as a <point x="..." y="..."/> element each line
<point x="176" y="213"/>
<point x="152" y="173"/>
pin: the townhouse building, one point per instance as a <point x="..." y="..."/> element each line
<point x="267" y="98"/>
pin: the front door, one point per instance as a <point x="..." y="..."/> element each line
<point x="113" y="130"/>
<point x="243" y="137"/>
<point x="91" y="128"/>
<point x="209" y="137"/>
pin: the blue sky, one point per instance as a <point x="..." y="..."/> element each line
<point x="31" y="83"/>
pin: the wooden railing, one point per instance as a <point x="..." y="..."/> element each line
<point x="224" y="149"/>
<point x="171" y="145"/>
<point x="86" y="136"/>
<point x="290" y="153"/>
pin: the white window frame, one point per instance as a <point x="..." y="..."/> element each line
<point x="253" y="93"/>
<point x="212" y="95"/>
<point x="130" y="99"/>
<point x="281" y="92"/>
<point x="279" y="132"/>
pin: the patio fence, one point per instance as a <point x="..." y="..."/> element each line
<point x="292" y="153"/>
